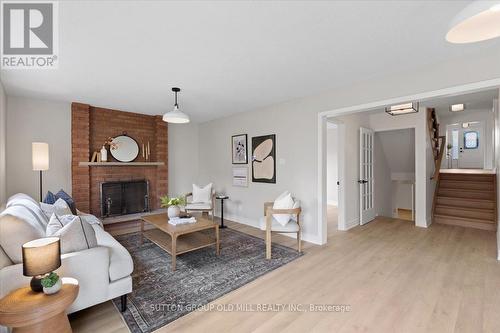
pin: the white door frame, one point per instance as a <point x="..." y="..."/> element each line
<point x="321" y="181"/>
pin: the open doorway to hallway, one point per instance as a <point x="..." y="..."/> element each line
<point x="381" y="164"/>
<point x="469" y="198"/>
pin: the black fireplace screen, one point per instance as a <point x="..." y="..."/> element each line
<point x="124" y="197"/>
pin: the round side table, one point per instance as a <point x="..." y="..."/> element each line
<point x="28" y="311"/>
<point x="222" y="198"/>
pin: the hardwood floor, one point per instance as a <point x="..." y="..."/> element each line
<point x="394" y="276"/>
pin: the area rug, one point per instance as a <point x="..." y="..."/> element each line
<point x="160" y="296"/>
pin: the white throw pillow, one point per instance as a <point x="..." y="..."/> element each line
<point x="60" y="207"/>
<point x="202" y="194"/>
<point x="75" y="234"/>
<point x="284" y="201"/>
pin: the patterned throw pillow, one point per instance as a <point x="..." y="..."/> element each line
<point x="50" y="198"/>
<point x="69" y="200"/>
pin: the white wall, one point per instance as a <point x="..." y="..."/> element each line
<point x="183" y="163"/>
<point x="383" y="182"/>
<point x="3" y="137"/>
<point x="402" y="195"/>
<point x="332" y="169"/>
<point x="30" y="120"/>
<point x="485" y="116"/>
<point x="295" y="150"/>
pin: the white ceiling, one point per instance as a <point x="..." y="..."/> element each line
<point x="482" y="100"/>
<point x="236" y="56"/>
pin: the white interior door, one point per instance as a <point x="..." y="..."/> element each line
<point x="467" y="143"/>
<point x="366" y="183"/>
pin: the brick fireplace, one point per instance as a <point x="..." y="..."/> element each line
<point x="90" y="128"/>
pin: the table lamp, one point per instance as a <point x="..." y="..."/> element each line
<point x="40" y="159"/>
<point x="40" y="257"/>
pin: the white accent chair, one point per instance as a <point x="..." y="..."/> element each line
<point x="203" y="207"/>
<point x="103" y="272"/>
<point x="269" y="224"/>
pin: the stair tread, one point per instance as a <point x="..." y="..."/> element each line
<point x="472" y="209"/>
<point x="471" y="199"/>
<point x="468" y="219"/>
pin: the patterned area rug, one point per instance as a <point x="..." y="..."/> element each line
<point x="160" y="296"/>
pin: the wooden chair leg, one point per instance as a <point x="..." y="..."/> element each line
<point x="299" y="243"/>
<point x="268" y="244"/>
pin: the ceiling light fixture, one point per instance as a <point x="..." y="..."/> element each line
<point x="176" y="116"/>
<point x="477" y="22"/>
<point x="396" y="110"/>
<point x="457" y="107"/>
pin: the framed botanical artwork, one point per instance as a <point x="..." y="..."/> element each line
<point x="239" y="149"/>
<point x="264" y="159"/>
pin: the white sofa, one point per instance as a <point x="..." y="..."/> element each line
<point x="103" y="272"/>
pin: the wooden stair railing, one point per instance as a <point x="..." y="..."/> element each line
<point x="437" y="141"/>
<point x="437" y="149"/>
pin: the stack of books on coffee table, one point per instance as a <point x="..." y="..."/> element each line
<point x="181" y="220"/>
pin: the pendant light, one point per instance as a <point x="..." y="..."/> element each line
<point x="479" y="21"/>
<point x="176" y="116"/>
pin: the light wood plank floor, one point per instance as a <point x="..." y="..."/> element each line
<point x="396" y="278"/>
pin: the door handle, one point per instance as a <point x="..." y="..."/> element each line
<point x="362" y="181"/>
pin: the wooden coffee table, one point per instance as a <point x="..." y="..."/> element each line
<point x="183" y="238"/>
<point x="28" y="311"/>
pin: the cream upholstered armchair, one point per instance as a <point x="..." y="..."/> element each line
<point x="203" y="207"/>
<point x="269" y="224"/>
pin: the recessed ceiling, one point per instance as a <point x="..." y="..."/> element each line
<point x="231" y="57"/>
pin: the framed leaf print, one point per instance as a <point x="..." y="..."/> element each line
<point x="239" y="149"/>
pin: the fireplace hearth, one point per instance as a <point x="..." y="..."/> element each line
<point x="124" y="197"/>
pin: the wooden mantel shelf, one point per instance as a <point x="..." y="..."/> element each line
<point x="104" y="164"/>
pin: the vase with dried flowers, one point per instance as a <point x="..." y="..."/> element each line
<point x="104" y="152"/>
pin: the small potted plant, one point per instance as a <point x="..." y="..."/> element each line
<point x="173" y="205"/>
<point x="51" y="284"/>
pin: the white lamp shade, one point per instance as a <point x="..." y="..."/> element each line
<point x="477" y="22"/>
<point x="176" y="116"/>
<point x="40" y="156"/>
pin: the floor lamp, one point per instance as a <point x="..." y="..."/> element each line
<point x="40" y="158"/>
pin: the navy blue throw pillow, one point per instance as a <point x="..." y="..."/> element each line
<point x="69" y="200"/>
<point x="50" y="198"/>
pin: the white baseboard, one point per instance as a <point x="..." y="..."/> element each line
<point x="310" y="238"/>
<point x="351" y="224"/>
<point x="332" y="203"/>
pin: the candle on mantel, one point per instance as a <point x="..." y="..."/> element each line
<point x="143" y="152"/>
<point x="149" y="151"/>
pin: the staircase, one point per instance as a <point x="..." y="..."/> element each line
<point x="466" y="199"/>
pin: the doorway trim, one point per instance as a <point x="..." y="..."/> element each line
<point x="322" y="118"/>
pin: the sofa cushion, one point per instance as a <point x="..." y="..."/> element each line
<point x="120" y="261"/>
<point x="50" y="198"/>
<point x="60" y="207"/>
<point x="32" y="206"/>
<point x="291" y="226"/>
<point x="75" y="234"/>
<point x="21" y="196"/>
<point x="18" y="226"/>
<point x="66" y="197"/>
